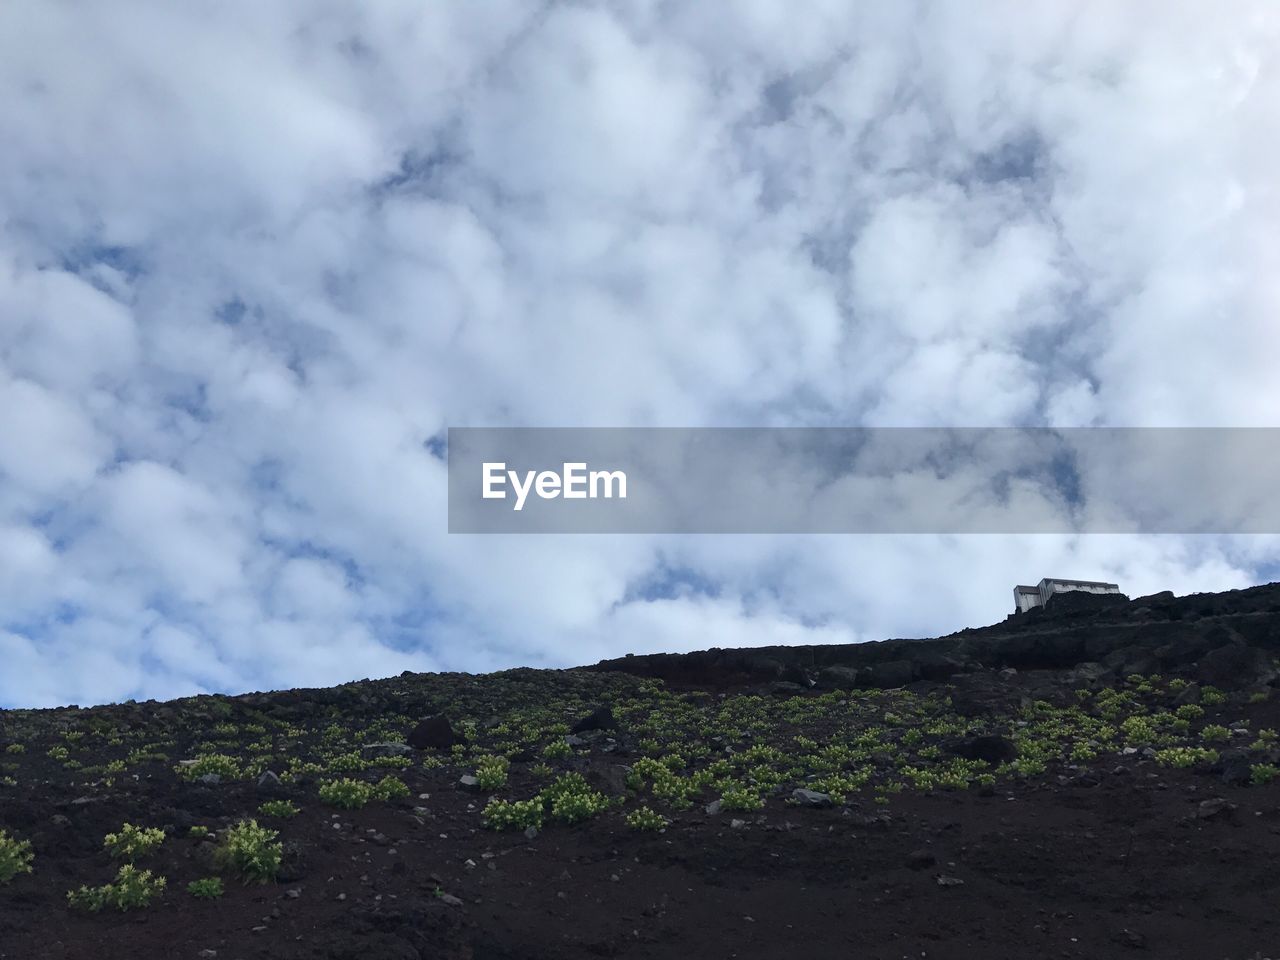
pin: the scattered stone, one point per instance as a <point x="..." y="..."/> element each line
<point x="1214" y="809"/>
<point x="713" y="808"/>
<point x="468" y="782"/>
<point x="449" y="899"/>
<point x="293" y="894"/>
<point x="737" y="824"/>
<point x="435" y="733"/>
<point x="810" y="798"/>
<point x="530" y="832"/>
<point x="387" y="749"/>
<point x="920" y="859"/>
<point x="210" y="779"/>
<point x="207" y="953"/>
<point x="945" y="881"/>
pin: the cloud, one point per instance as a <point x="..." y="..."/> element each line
<point x="254" y="260"/>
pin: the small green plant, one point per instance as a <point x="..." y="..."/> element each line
<point x="739" y="797"/>
<point x="132" y="842"/>
<point x="279" y="808"/>
<point x="1260" y="774"/>
<point x="1215" y="732"/>
<point x="15" y="857"/>
<point x="557" y="750"/>
<point x="1184" y="757"/>
<point x="15" y="748"/>
<point x="1190" y="711"/>
<point x="646" y="818"/>
<point x="207" y="888"/>
<point x="198" y="831"/>
<point x="1212" y="696"/>
<point x="250" y="851"/>
<point x="512" y="814"/>
<point x="346" y="794"/>
<point x="1260" y="696"/>
<point x="491" y="772"/>
<point x="390" y="788"/>
<point x="58" y="753"/>
<point x="132" y="888"/>
<point x="228" y="768"/>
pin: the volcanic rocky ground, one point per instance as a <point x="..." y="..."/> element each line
<point x="1090" y="780"/>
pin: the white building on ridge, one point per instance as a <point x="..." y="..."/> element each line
<point x="1024" y="598"/>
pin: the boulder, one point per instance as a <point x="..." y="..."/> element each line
<point x="838" y="678"/>
<point x="992" y="749"/>
<point x="1235" y="665"/>
<point x="601" y="718"/>
<point x="810" y="798"/>
<point x="434" y="733"/>
<point x="891" y="673"/>
<point x="390" y="749"/>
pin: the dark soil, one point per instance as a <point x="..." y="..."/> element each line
<point x="1110" y="857"/>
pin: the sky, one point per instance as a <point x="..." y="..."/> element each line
<point x="255" y="259"/>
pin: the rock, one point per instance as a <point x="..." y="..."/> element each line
<point x="1235" y="664"/>
<point x="784" y="688"/>
<point x="530" y="832"/>
<point x="268" y="779"/>
<point x="468" y="782"/>
<point x="601" y="718"/>
<point x="388" y="749"/>
<point x="713" y="808"/>
<point x="892" y="673"/>
<point x="736" y="824"/>
<point x="449" y="898"/>
<point x="992" y="749"/>
<point x="1131" y="938"/>
<point x="435" y="733"/>
<point x="838" y="678"/>
<point x="920" y="859"/>
<point x="945" y="881"/>
<point x="810" y="798"/>
<point x="1215" y="809"/>
<point x="210" y="779"/>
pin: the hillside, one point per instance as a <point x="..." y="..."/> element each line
<point x="1097" y="779"/>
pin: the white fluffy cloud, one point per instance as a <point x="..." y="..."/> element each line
<point x="253" y="259"/>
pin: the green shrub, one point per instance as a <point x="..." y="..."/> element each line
<point x="346" y="794"/>
<point x="250" y="851"/>
<point x="224" y="766"/>
<point x="735" y="796"/>
<point x="491" y="772"/>
<point x="15" y="857"/>
<point x="133" y="842"/>
<point x="1212" y="696"/>
<point x="279" y="808"/>
<point x="645" y="818"/>
<point x="1185" y="756"/>
<point x="15" y="748"/>
<point x="571" y="799"/>
<point x="1214" y="732"/>
<point x="557" y="750"/>
<point x="208" y="888"/>
<point x="1190" y="711"/>
<point x="198" y="831"/>
<point x="512" y="814"/>
<point x="390" y="788"/>
<point x="1261" y="774"/>
<point x="132" y="888"/>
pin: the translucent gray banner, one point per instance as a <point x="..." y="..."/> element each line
<point x="863" y="480"/>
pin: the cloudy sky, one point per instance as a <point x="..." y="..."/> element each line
<point x="256" y="258"/>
